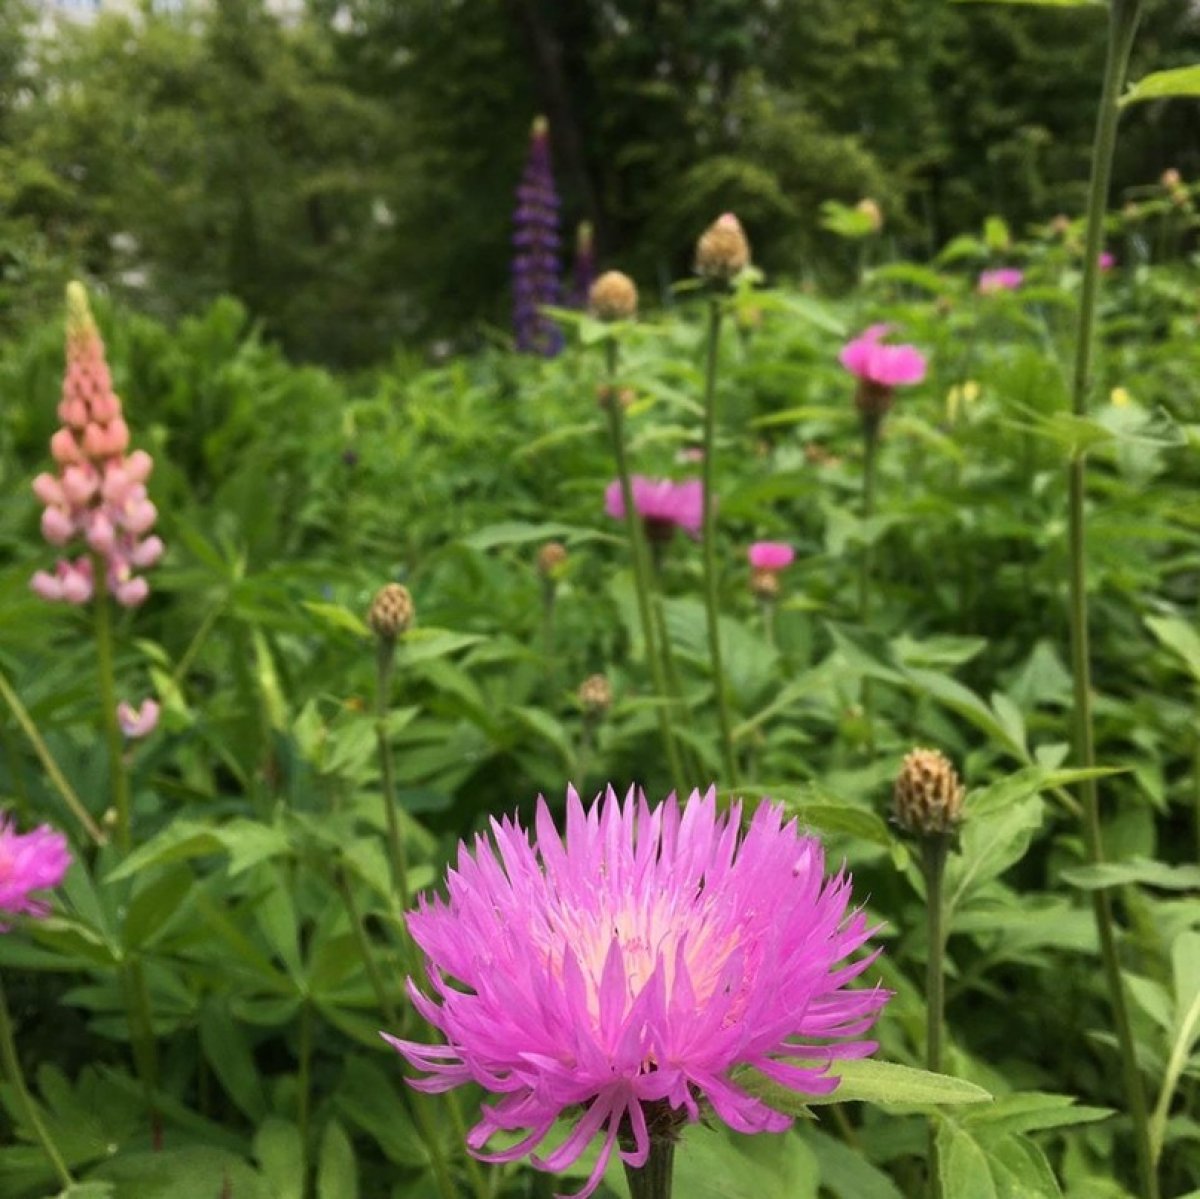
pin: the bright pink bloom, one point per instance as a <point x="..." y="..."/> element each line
<point x="100" y="493"/>
<point x="1005" y="278"/>
<point x="29" y="862"/>
<point x="882" y="365"/>
<point x="1107" y="260"/>
<point x="771" y="555"/>
<point x="661" y="503"/>
<point x="632" y="969"/>
<point x="137" y="722"/>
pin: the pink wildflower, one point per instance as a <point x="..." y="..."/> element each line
<point x="632" y="969"/>
<point x="1107" y="260"/>
<point x="772" y="556"/>
<point x="137" y="722"/>
<point x="882" y="365"/>
<point x="662" y="504"/>
<point x="29" y="862"/>
<point x="1005" y="278"/>
<point x="99" y="494"/>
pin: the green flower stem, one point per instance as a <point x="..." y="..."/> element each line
<point x="14" y="769"/>
<point x="1124" y="17"/>
<point x="420" y="1113"/>
<point x="118" y="776"/>
<point x="866" y="566"/>
<point x="653" y="1180"/>
<point x="934" y="850"/>
<point x="12" y="1070"/>
<point x="709" y="537"/>
<point x="385" y="662"/>
<point x="304" y="1080"/>
<point x="49" y="765"/>
<point x="641" y="571"/>
<point x="549" y="602"/>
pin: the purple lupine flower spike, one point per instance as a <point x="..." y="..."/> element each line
<point x="535" y="269"/>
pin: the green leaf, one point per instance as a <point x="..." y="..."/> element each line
<point x="337" y="1170"/>
<point x="846" y="1172"/>
<point x="1032" y="1111"/>
<point x="224" y="1044"/>
<point x="1141" y="871"/>
<point x="155" y="905"/>
<point x="1178" y="635"/>
<point x="1161" y="85"/>
<point x="278" y="1147"/>
<point x="868" y="1081"/>
<point x="964" y="1166"/>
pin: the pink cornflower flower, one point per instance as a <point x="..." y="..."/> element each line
<point x="771" y="555"/>
<point x="880" y="369"/>
<point x="99" y="493"/>
<point x="1005" y="278"/>
<point x="137" y="722"/>
<point x="630" y="970"/>
<point x="29" y="862"/>
<point x="1107" y="260"/>
<point x="662" y="504"/>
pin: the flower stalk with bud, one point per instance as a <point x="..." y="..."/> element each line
<point x="389" y="617"/>
<point x="722" y="253"/>
<point x="927" y="806"/>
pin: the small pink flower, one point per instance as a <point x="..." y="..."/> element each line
<point x="32" y="861"/>
<point x="618" y="977"/>
<point x="1107" y="260"/>
<point x="663" y="504"/>
<point x="131" y="593"/>
<point x="137" y="722"/>
<point x="882" y="365"/>
<point x="772" y="556"/>
<point x="1005" y="278"/>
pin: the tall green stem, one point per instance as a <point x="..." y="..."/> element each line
<point x="385" y="662"/>
<point x="866" y="566"/>
<point x="12" y="1070"/>
<point x="49" y="765"/>
<point x="653" y="1180"/>
<point x="304" y="1082"/>
<point x="118" y="776"/>
<point x="641" y="571"/>
<point x="933" y="864"/>
<point x="709" y="535"/>
<point x="1124" y="17"/>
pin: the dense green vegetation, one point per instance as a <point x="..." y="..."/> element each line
<point x="347" y="176"/>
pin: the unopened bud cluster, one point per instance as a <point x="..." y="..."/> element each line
<point x="595" y="695"/>
<point x="613" y="297"/>
<point x="928" y="795"/>
<point x="722" y="252"/>
<point x="552" y="557"/>
<point x="391" y="612"/>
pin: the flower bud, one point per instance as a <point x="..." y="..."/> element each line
<point x="595" y="695"/>
<point x="764" y="583"/>
<point x="391" y="612"/>
<point x="613" y="297"/>
<point x="551" y="558"/>
<point x="928" y="796"/>
<point x="871" y="210"/>
<point x="722" y="251"/>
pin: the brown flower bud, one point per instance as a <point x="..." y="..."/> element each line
<point x="1171" y="179"/>
<point x="928" y="796"/>
<point x="625" y="396"/>
<point x="1061" y="225"/>
<point x="871" y="210"/>
<point x="391" y="612"/>
<point x="765" y="584"/>
<point x="722" y="251"/>
<point x="613" y="297"/>
<point x="551" y="558"/>
<point x="595" y="695"/>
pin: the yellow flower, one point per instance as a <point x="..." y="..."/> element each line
<point x="960" y="396"/>
<point x="1120" y="398"/>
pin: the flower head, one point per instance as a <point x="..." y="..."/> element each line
<point x="137" y="722"/>
<point x="662" y="504"/>
<point x="889" y="366"/>
<point x="722" y="252"/>
<point x="771" y="555"/>
<point x="927" y="799"/>
<point x="1107" y="260"/>
<point x="584" y="267"/>
<point x="1005" y="278"/>
<point x="29" y="862"/>
<point x="630" y="970"/>
<point x="391" y="611"/>
<point x="535" y="266"/>
<point x="98" y="495"/>
<point x="613" y="297"/>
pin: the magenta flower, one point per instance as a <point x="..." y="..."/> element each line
<point x="772" y="556"/>
<point x="1107" y="260"/>
<point x="137" y="722"/>
<point x="1005" y="278"/>
<point x="629" y="971"/>
<point x="29" y="862"/>
<point x="99" y="494"/>
<point x="882" y="365"/>
<point x="662" y="504"/>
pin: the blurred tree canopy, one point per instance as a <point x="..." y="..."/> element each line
<point x="348" y="172"/>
